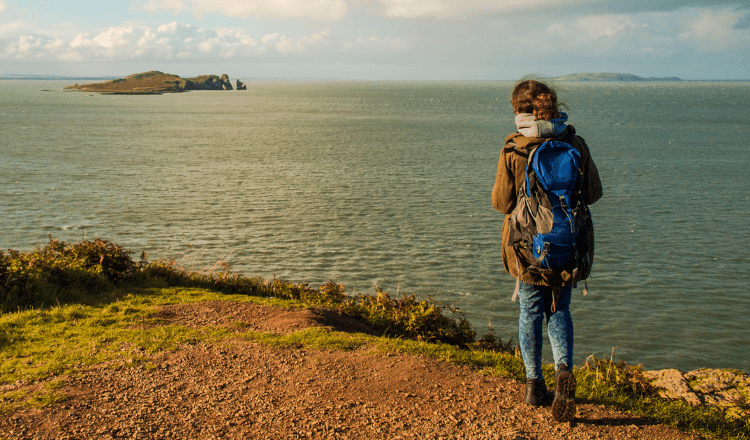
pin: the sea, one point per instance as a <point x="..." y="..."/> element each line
<point x="386" y="185"/>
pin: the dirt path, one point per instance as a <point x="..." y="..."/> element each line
<point x="244" y="390"/>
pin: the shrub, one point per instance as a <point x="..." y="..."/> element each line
<point x="611" y="377"/>
<point x="62" y="272"/>
<point x="490" y="342"/>
<point x="59" y="270"/>
<point x="408" y="317"/>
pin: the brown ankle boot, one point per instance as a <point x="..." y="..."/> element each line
<point x="537" y="393"/>
<point x="564" y="405"/>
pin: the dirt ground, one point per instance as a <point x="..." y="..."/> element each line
<point x="245" y="390"/>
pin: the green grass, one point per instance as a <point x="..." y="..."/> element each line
<point x="36" y="344"/>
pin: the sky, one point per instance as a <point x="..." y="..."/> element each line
<point x="377" y="39"/>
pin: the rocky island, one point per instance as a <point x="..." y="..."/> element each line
<point x="155" y="83"/>
<point x="610" y="77"/>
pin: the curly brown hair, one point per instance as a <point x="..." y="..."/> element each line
<point x="536" y="97"/>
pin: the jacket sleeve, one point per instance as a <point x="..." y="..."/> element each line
<point x="591" y="183"/>
<point x="504" y="191"/>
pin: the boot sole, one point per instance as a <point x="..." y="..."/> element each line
<point x="564" y="406"/>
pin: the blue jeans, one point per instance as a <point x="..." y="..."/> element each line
<point x="536" y="304"/>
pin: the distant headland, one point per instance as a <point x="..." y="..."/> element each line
<point x="156" y="83"/>
<point x="610" y="77"/>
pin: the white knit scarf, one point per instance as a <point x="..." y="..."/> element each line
<point x="528" y="127"/>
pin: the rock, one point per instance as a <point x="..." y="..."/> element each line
<point x="225" y="83"/>
<point x="671" y="384"/>
<point x="241" y="85"/>
<point x="723" y="388"/>
<point x="204" y="82"/>
<point x="726" y="388"/>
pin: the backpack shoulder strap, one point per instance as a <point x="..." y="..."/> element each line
<point x="571" y="138"/>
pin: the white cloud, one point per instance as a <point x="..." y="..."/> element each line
<point x="711" y="30"/>
<point x="375" y="44"/>
<point x="3" y="6"/>
<point x="650" y="32"/>
<point x="330" y="10"/>
<point x="176" y="41"/>
<point x="287" y="45"/>
<point x="17" y="27"/>
<point x="598" y="34"/>
<point x="461" y="8"/>
<point x="176" y="6"/>
<point x="36" y="48"/>
<point x="336" y="9"/>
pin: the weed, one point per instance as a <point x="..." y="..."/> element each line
<point x="408" y="317"/>
<point x="59" y="272"/>
<point x="490" y="342"/>
<point x="617" y="376"/>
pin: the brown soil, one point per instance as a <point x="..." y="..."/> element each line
<point x="244" y="390"/>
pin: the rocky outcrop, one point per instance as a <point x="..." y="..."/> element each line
<point x="225" y="83"/>
<point x="209" y="82"/>
<point x="714" y="387"/>
<point x="670" y="384"/>
<point x="241" y="85"/>
<point x="154" y="83"/>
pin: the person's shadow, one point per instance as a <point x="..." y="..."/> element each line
<point x="612" y="421"/>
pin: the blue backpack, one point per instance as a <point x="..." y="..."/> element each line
<point x="548" y="226"/>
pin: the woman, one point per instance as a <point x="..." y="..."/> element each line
<point x="538" y="119"/>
